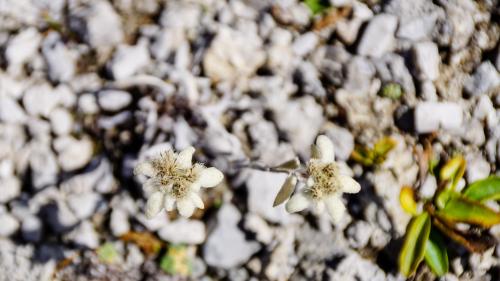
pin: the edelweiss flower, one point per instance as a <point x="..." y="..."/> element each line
<point x="324" y="185"/>
<point x="175" y="180"/>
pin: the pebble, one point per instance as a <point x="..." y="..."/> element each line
<point x="428" y="187"/>
<point x="359" y="73"/>
<point x="359" y="233"/>
<point x="73" y="153"/>
<point x="83" y="205"/>
<point x="87" y="103"/>
<point x="485" y="79"/>
<point x="31" y="228"/>
<point x="11" y="188"/>
<point x="40" y="100"/>
<point x="23" y="46"/>
<point x="477" y="168"/>
<point x="427" y="60"/>
<point x="129" y="60"/>
<point x="430" y="116"/>
<point x="113" y="100"/>
<point x="9" y="224"/>
<point x="84" y="235"/>
<point x="305" y="43"/>
<point x="119" y="222"/>
<point x="11" y="111"/>
<point x="183" y="231"/>
<point x="61" y="121"/>
<point x="342" y="139"/>
<point x="378" y="37"/>
<point x="226" y="246"/>
<point x="262" y="189"/>
<point x="60" y="61"/>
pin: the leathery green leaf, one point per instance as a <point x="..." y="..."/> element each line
<point x="414" y="245"/>
<point x="485" y="189"/>
<point x="461" y="209"/>
<point x="453" y="171"/>
<point x="436" y="256"/>
<point x="384" y="146"/>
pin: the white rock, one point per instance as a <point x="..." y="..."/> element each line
<point x="98" y="24"/>
<point x="429" y="187"/>
<point x="11" y="111"/>
<point x="348" y="29"/>
<point x="226" y="247"/>
<point x="477" y="168"/>
<point x="430" y="116"/>
<point x="31" y="228"/>
<point x="486" y="78"/>
<point x="129" y="60"/>
<point x="427" y="60"/>
<point x="155" y="223"/>
<point x="40" y="99"/>
<point x="22" y="46"/>
<point x="114" y="100"/>
<point x="359" y="234"/>
<point x="72" y="153"/>
<point x="359" y="73"/>
<point x="58" y="216"/>
<point x="485" y="110"/>
<point x="83" y="205"/>
<point x="256" y="224"/>
<point x="262" y="189"/>
<point x="61" y="121"/>
<point x="354" y="267"/>
<point x="183" y="231"/>
<point x="43" y="164"/>
<point x="9" y="224"/>
<point x="61" y="62"/>
<point x="10" y="188"/>
<point x="84" y="235"/>
<point x="87" y="103"/>
<point x="378" y="37"/>
<point x="119" y="223"/>
<point x="305" y="43"/>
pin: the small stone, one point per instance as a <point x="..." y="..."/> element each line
<point x="31" y="228"/>
<point x="11" y="188"/>
<point x="40" y="99"/>
<point x="183" y="231"/>
<point x="354" y="267"/>
<point x="129" y="60"/>
<point x="22" y="47"/>
<point x="430" y="116"/>
<point x="477" y="168"/>
<point x="427" y="60"/>
<point x="61" y="62"/>
<point x="473" y="132"/>
<point x="9" y="224"/>
<point x="119" y="223"/>
<point x="113" y="100"/>
<point x="58" y="216"/>
<point x="258" y="225"/>
<point x="428" y="187"/>
<point x="359" y="72"/>
<point x="83" y="205"/>
<point x="428" y="91"/>
<point x="486" y="111"/>
<point x="359" y="234"/>
<point x="73" y="153"/>
<point x="98" y="24"/>
<point x="342" y="139"/>
<point x="87" y="103"/>
<point x="11" y="111"/>
<point x="226" y="247"/>
<point x="43" y="164"/>
<point x="84" y="235"/>
<point x="262" y="189"/>
<point x="305" y="43"/>
<point x="485" y="79"/>
<point x="378" y="37"/>
<point x="61" y="121"/>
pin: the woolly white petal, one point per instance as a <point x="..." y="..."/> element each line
<point x="310" y="182"/>
<point x="150" y="185"/>
<point x="185" y="207"/>
<point x="197" y="200"/>
<point x="169" y="202"/>
<point x="326" y="150"/>
<point x="154" y="204"/>
<point x="210" y="177"/>
<point x="195" y="186"/>
<point x="185" y="157"/>
<point x="297" y="203"/>
<point x="349" y="185"/>
<point x="335" y="207"/>
<point x="144" y="168"/>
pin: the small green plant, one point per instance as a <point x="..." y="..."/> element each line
<point x="373" y="156"/>
<point x="176" y="261"/>
<point x="392" y="91"/>
<point x="440" y="216"/>
<point x="107" y="253"/>
<point x="317" y="6"/>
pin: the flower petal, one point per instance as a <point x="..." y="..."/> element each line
<point x="144" y="168"/>
<point x="325" y="148"/>
<point x="210" y="177"/>
<point x="335" y="207"/>
<point x="185" y="207"/>
<point x="185" y="157"/>
<point x="169" y="202"/>
<point x="297" y="203"/>
<point x="154" y="204"/>
<point x="197" y="200"/>
<point x="349" y="185"/>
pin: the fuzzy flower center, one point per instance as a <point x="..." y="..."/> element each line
<point x="173" y="179"/>
<point x="325" y="178"/>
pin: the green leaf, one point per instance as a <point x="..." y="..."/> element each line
<point x="317" y="6"/>
<point x="363" y="155"/>
<point x="461" y="209"/>
<point x="436" y="256"/>
<point x="485" y="189"/>
<point x="407" y="200"/>
<point x="107" y="253"/>
<point x="176" y="261"/>
<point x="286" y="190"/>
<point x="453" y="171"/>
<point x="392" y="90"/>
<point x="382" y="148"/>
<point x="415" y="243"/>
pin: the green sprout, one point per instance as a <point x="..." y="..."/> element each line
<point x="440" y="216"/>
<point x="392" y="91"/>
<point x="107" y="253"/>
<point x="317" y="6"/>
<point x="373" y="156"/>
<point x="176" y="261"/>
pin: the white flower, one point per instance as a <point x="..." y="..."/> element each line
<point x="176" y="181"/>
<point x="324" y="185"/>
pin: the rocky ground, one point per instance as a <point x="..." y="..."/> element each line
<point x="89" y="87"/>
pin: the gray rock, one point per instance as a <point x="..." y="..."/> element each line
<point x="427" y="60"/>
<point x="392" y="68"/>
<point x="342" y="139"/>
<point x="84" y="235"/>
<point x="183" y="231"/>
<point x="60" y="61"/>
<point x="113" y="100"/>
<point x="305" y="43"/>
<point x="359" y="73"/>
<point x="98" y="24"/>
<point x="9" y="224"/>
<point x="129" y="60"/>
<point x="61" y="121"/>
<point x="310" y="79"/>
<point x="22" y="47"/>
<point x="485" y="79"/>
<point x="477" y="168"/>
<point x="226" y="247"/>
<point x="378" y="37"/>
<point x="11" y="188"/>
<point x="359" y="234"/>
<point x="58" y="216"/>
<point x="83" y="205"/>
<point x="40" y="99"/>
<point x="73" y="153"/>
<point x="31" y="228"/>
<point x="119" y="223"/>
<point x="262" y="189"/>
<point x="430" y="116"/>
